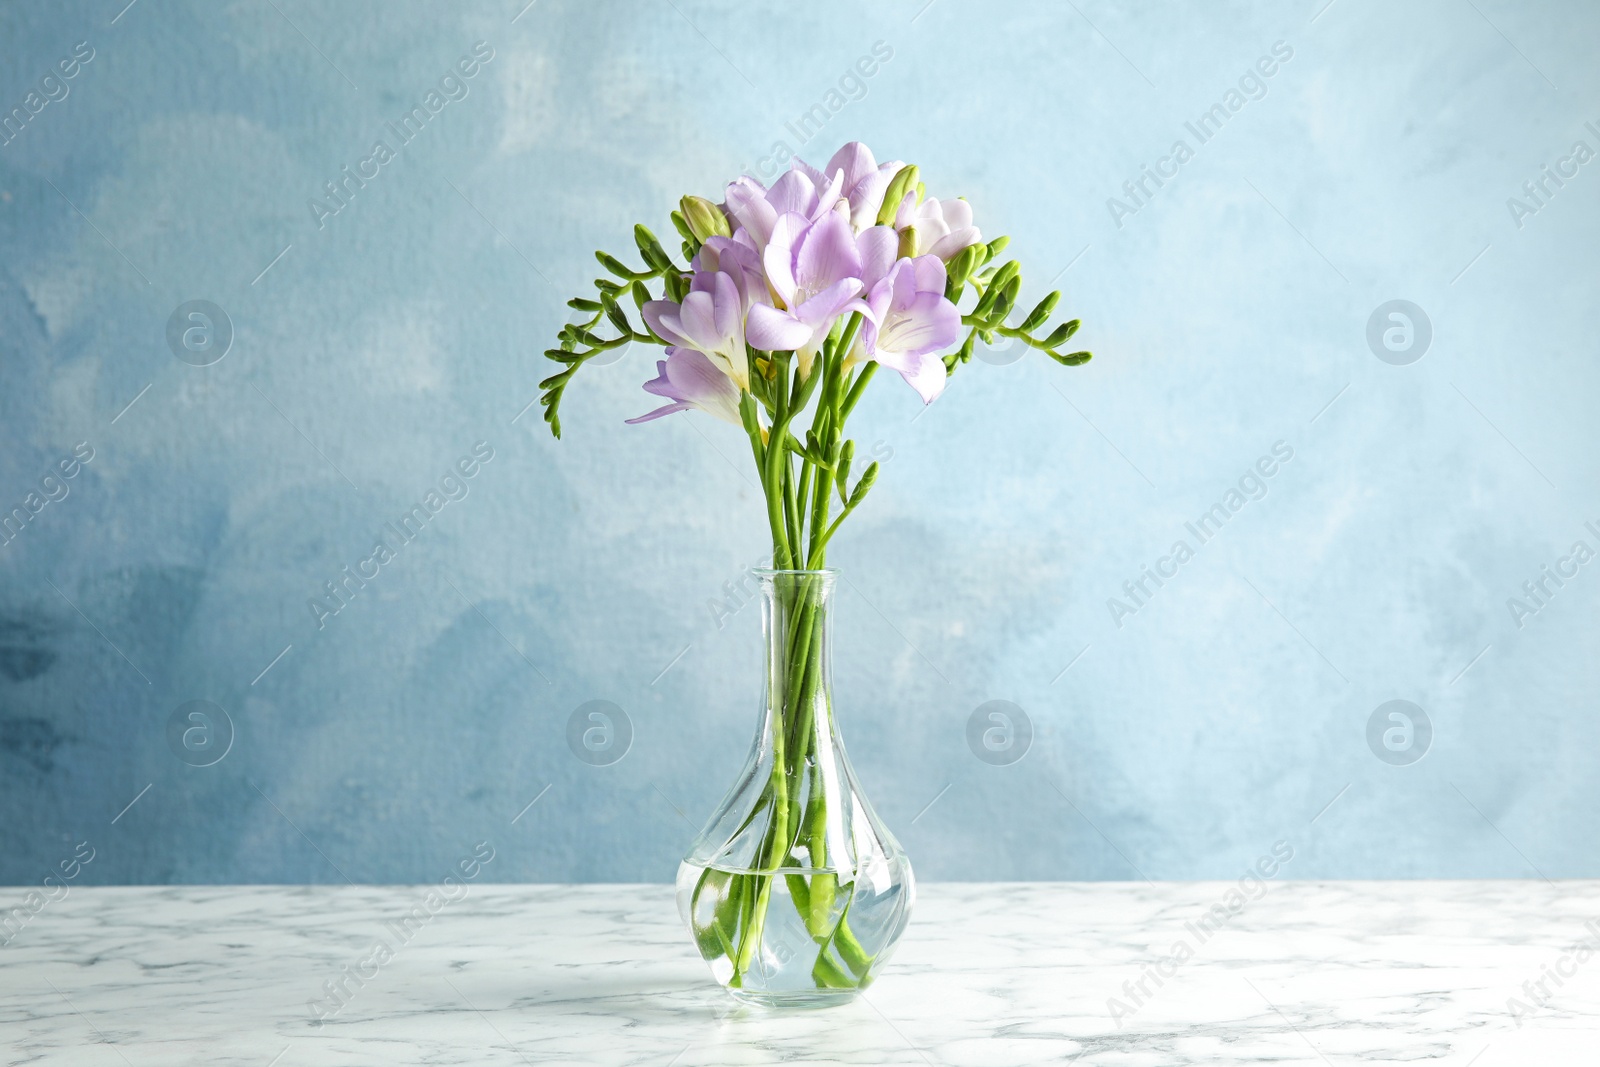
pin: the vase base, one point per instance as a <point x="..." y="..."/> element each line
<point x="794" y="999"/>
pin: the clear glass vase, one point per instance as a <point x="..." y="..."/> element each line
<point x="795" y="891"/>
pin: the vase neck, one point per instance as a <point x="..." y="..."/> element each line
<point x="797" y="623"/>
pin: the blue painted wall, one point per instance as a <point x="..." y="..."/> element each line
<point x="373" y="349"/>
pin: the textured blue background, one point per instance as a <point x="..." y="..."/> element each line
<point x="1226" y="315"/>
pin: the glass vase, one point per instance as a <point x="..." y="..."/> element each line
<point x="795" y="891"/>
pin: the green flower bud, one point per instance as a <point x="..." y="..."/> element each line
<point x="1061" y="333"/>
<point x="650" y="249"/>
<point x="705" y="219"/>
<point x="904" y="179"/>
<point x="618" y="319"/>
<point x="614" y="265"/>
<point x="908" y="242"/>
<point x="868" y="476"/>
<point x="1041" y="311"/>
<point x="964" y="264"/>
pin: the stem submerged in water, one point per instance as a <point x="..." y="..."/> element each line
<point x="796" y="863"/>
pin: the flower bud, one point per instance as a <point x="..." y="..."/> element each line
<point x="705" y="219"/>
<point x="1041" y="311"/>
<point x="966" y="261"/>
<point x="868" y="476"/>
<point x="908" y="243"/>
<point x="905" y="178"/>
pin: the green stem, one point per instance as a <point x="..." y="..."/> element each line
<point x="856" y="390"/>
<point x="795" y="800"/>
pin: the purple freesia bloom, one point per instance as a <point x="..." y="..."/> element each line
<point x="815" y="269"/>
<point x="738" y="258"/>
<point x="710" y="320"/>
<point x="690" y="380"/>
<point x="862" y="181"/>
<point x="908" y="322"/>
<point x="758" y="209"/>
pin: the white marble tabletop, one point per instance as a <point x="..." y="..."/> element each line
<point x="991" y="974"/>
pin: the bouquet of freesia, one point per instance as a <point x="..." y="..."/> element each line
<point x="793" y="297"/>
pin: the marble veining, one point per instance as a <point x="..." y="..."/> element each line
<point x="988" y="974"/>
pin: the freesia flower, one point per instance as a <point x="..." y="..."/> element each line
<point x="815" y="270"/>
<point x="758" y="209"/>
<point x="863" y="181"/>
<point x="738" y="258"/>
<point x="690" y="380"/>
<point x="908" y="322"/>
<point x="710" y="320"/>
<point x="938" y="227"/>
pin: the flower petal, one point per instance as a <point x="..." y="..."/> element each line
<point x="698" y="380"/>
<point x="931" y="323"/>
<point x="906" y="213"/>
<point x="662" y="317"/>
<point x="927" y="378"/>
<point x="948" y="246"/>
<point x="866" y="196"/>
<point x="778" y="259"/>
<point x="830" y="196"/>
<point x="957" y="212"/>
<point x="699" y="321"/>
<point x="879" y="246"/>
<point x="823" y="307"/>
<point x="728" y="308"/>
<point x="855" y="159"/>
<point x="818" y="179"/>
<point x="773" y="330"/>
<point x="930" y="274"/>
<point x="747" y="201"/>
<point x="793" y="192"/>
<point x="827" y="254"/>
<point x="669" y="409"/>
<point x="659" y="385"/>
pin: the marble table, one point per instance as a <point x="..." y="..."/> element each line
<point x="990" y="974"/>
